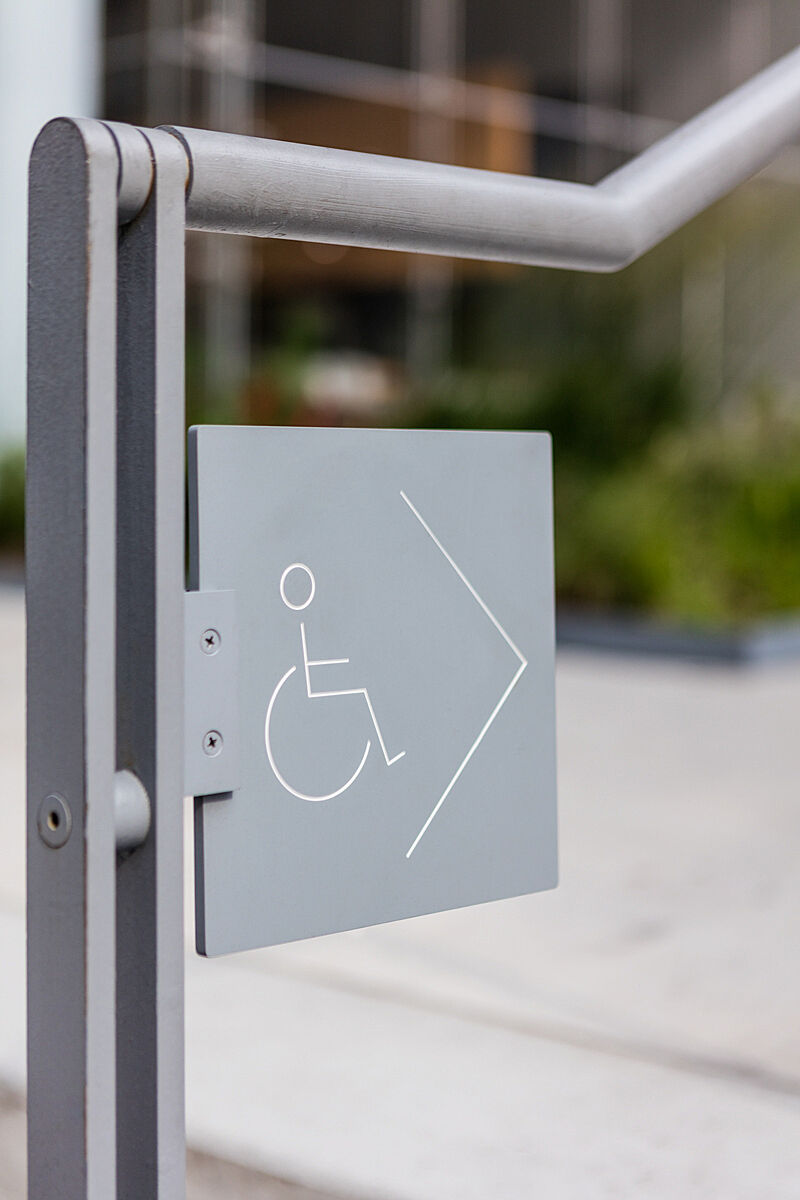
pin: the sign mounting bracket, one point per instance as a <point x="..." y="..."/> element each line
<point x="211" y="720"/>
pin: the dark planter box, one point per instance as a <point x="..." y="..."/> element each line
<point x="759" y="642"/>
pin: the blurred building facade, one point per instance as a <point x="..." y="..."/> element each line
<point x="49" y="64"/>
<point x="562" y="88"/>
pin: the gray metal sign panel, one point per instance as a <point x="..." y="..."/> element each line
<point x="394" y="602"/>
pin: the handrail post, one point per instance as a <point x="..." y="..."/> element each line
<point x="150" y="585"/>
<point x="70" y="534"/>
<point x="105" y="663"/>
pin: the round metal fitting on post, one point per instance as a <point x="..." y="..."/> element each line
<point x="54" y="821"/>
<point x="131" y="811"/>
<point x="135" y="171"/>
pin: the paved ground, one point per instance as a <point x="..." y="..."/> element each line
<point x="633" y="1034"/>
<point x="208" y="1178"/>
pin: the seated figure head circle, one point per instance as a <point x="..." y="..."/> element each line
<point x="310" y="584"/>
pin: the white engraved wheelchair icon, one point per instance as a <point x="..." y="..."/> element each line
<point x="308" y="664"/>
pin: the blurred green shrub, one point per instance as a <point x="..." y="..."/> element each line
<point x="12" y="501"/>
<point x="704" y="527"/>
<point x="655" y="510"/>
<point x="603" y="411"/>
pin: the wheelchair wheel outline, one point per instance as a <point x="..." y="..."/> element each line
<point x="273" y="764"/>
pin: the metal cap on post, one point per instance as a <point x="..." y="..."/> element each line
<point x="135" y="176"/>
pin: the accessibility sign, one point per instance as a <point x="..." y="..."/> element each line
<point x="395" y="682"/>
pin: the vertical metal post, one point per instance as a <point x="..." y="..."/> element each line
<point x="70" y="674"/>
<point x="105" y="667"/>
<point x="150" y="586"/>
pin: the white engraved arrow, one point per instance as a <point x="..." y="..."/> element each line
<point x="523" y="662"/>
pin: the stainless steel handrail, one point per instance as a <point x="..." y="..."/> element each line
<point x="282" y="189"/>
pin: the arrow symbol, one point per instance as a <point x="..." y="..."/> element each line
<point x="523" y="662"/>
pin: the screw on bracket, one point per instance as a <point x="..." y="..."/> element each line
<point x="211" y="641"/>
<point x="212" y="743"/>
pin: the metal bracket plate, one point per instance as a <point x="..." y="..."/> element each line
<point x="211" y="720"/>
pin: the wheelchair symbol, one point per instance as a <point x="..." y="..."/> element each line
<point x="297" y="570"/>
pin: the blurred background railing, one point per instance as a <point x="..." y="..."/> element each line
<point x="671" y="389"/>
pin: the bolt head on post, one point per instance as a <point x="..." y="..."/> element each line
<point x="54" y="821"/>
<point x="210" y="641"/>
<point x="212" y="743"/>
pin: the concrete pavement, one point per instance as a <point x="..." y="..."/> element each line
<point x="208" y="1178"/>
<point x="632" y="1034"/>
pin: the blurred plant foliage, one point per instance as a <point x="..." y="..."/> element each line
<point x="661" y="505"/>
<point x="703" y="527"/>
<point x="664" y="503"/>
<point x="655" y="509"/>
<point x="12" y="501"/>
<point x="671" y="497"/>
